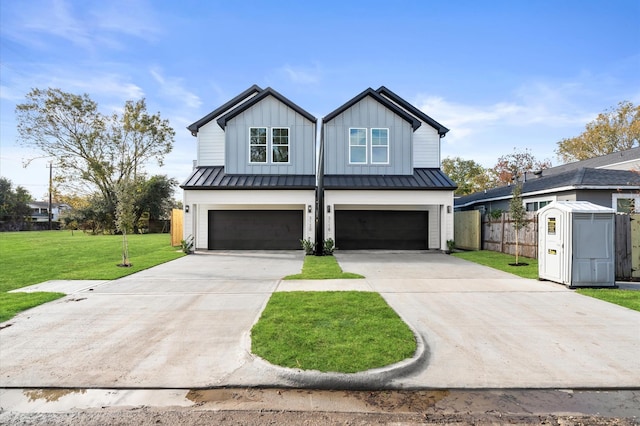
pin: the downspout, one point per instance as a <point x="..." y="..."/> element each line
<point x="320" y="194"/>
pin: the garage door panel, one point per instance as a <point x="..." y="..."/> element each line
<point x="380" y="229"/>
<point x="255" y="229"/>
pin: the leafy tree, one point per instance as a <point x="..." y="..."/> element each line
<point x="90" y="148"/>
<point x="612" y="131"/>
<point x="518" y="213"/>
<point x="154" y="197"/>
<point x="125" y="215"/>
<point x="470" y="176"/>
<point x="14" y="204"/>
<point x="512" y="167"/>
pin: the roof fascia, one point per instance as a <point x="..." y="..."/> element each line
<point x="442" y="131"/>
<point x="222" y="121"/>
<point x="415" y="123"/>
<point x="228" y="105"/>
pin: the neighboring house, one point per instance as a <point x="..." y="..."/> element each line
<point x="610" y="181"/>
<point x="383" y="187"/>
<point x="379" y="183"/>
<point x="253" y="184"/>
<point x="40" y="211"/>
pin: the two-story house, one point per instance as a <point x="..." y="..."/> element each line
<point x="254" y="184"/>
<point x="383" y="187"/>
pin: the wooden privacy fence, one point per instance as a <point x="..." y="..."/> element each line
<point x="498" y="234"/>
<point x="176" y="226"/>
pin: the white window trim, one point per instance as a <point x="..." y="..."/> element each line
<point x="616" y="197"/>
<point x="266" y="146"/>
<point x="366" y="144"/>
<point x="538" y="200"/>
<point x="269" y="145"/>
<point x="288" y="145"/>
<point x="372" y="145"/>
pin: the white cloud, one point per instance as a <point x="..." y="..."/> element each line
<point x="173" y="88"/>
<point x="303" y="75"/>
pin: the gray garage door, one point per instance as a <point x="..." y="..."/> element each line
<point x="381" y="229"/>
<point x="255" y="229"/>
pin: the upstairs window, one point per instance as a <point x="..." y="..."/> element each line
<point x="358" y="146"/>
<point x="279" y="145"/>
<point x="258" y="144"/>
<point x="379" y="146"/>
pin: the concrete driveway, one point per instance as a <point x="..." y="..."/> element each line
<point x="185" y="324"/>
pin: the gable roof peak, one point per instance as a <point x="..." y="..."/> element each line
<point x="415" y="123"/>
<point x="442" y="131"/>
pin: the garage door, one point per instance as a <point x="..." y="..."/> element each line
<point x="255" y="229"/>
<point x="368" y="229"/>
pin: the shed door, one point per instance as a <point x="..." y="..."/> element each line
<point x="381" y="229"/>
<point x="255" y="229"/>
<point x="554" y="247"/>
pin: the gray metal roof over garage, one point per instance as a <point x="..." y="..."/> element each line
<point x="214" y="177"/>
<point x="420" y="179"/>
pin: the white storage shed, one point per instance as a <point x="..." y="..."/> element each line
<point x="576" y="244"/>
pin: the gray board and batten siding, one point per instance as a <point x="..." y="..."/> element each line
<point x="368" y="113"/>
<point x="270" y="112"/>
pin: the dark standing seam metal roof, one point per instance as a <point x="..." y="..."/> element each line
<point x="420" y="179"/>
<point x="413" y="110"/>
<point x="222" y="121"/>
<point x="215" y="113"/>
<point x="214" y="177"/>
<point x="415" y="123"/>
<point x="583" y="178"/>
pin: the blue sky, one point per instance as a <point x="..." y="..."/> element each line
<point x="500" y="74"/>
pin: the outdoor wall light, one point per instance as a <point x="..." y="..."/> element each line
<point x="309" y="209"/>
<point x="186" y="208"/>
<point x="448" y="209"/>
<point x="328" y="209"/>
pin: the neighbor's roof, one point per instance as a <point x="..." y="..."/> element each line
<point x="222" y="121"/>
<point x="582" y="178"/>
<point x="415" y="123"/>
<point x="214" y="177"/>
<point x="194" y="127"/>
<point x="413" y="110"/>
<point x="615" y="160"/>
<point x="420" y="179"/>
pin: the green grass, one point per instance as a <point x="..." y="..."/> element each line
<point x="342" y="331"/>
<point x="627" y="298"/>
<point x="33" y="257"/>
<point x="501" y="262"/>
<point x="321" y="268"/>
<point x="13" y="303"/>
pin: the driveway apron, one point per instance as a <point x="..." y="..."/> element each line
<point x="179" y="324"/>
<point x="488" y="329"/>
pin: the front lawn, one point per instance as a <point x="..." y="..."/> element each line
<point x="627" y="298"/>
<point x="36" y="256"/>
<point x="321" y="268"/>
<point x="501" y="262"/>
<point x="341" y="331"/>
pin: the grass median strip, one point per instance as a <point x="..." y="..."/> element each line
<point x="321" y="268"/>
<point x="501" y="262"/>
<point x="627" y="298"/>
<point x="339" y="331"/>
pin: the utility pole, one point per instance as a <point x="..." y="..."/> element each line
<point x="50" y="191"/>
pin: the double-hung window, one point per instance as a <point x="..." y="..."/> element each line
<point x="279" y="145"/>
<point x="258" y="144"/>
<point x="358" y="146"/>
<point x="262" y="141"/>
<point x="372" y="148"/>
<point x="379" y="146"/>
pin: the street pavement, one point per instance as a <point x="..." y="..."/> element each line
<point x="185" y="324"/>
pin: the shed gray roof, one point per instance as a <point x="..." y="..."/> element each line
<point x="415" y="123"/>
<point x="194" y="127"/>
<point x="413" y="110"/>
<point x="222" y="121"/>
<point x="420" y="179"/>
<point x="214" y="177"/>
<point x="582" y="178"/>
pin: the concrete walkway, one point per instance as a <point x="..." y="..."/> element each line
<point x="185" y="324"/>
